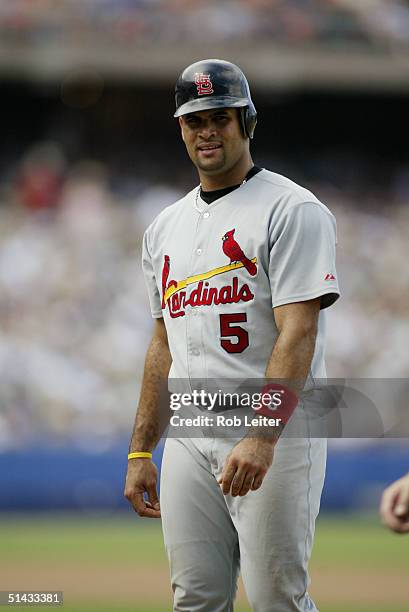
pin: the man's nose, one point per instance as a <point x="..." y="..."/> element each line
<point x="207" y="130"/>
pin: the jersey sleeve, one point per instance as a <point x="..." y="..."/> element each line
<point x="302" y="257"/>
<point x="150" y="278"/>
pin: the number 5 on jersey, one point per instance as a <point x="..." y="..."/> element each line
<point x="229" y="329"/>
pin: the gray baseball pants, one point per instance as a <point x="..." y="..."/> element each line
<point x="267" y="534"/>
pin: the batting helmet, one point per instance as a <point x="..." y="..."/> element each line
<point x="214" y="83"/>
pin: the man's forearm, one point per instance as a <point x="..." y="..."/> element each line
<point x="148" y="423"/>
<point x="291" y="358"/>
<point x="289" y="365"/>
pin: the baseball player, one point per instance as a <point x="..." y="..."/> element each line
<point x="239" y="273"/>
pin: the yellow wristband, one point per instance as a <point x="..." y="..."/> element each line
<point x="140" y="455"/>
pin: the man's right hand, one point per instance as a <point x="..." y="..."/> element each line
<point x="141" y="477"/>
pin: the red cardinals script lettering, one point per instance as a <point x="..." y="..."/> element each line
<point x="204" y="295"/>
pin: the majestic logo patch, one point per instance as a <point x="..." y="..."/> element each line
<point x="330" y="277"/>
<point x="176" y="298"/>
<point x="203" y="84"/>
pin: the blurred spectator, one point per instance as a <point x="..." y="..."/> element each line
<point x="39" y="179"/>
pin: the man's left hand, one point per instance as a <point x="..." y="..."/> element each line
<point x="246" y="466"/>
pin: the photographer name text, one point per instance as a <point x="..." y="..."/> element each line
<point x="221" y="420"/>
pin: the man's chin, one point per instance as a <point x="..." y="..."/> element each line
<point x="210" y="166"/>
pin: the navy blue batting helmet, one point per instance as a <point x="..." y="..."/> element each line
<point x="215" y="83"/>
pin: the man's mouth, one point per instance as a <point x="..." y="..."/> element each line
<point x="209" y="146"/>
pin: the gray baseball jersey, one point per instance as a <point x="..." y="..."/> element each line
<point x="215" y="272"/>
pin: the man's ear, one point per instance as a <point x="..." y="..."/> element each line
<point x="181" y="130"/>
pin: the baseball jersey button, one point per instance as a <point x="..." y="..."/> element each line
<point x="199" y="251"/>
<point x="206" y="215"/>
<point x="196" y="352"/>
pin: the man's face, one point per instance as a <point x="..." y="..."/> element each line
<point x="214" y="139"/>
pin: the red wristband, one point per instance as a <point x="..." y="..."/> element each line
<point x="283" y="402"/>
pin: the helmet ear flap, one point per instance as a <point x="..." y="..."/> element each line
<point x="248" y="120"/>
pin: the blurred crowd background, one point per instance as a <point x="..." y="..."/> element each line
<point x="374" y="23"/>
<point x="87" y="161"/>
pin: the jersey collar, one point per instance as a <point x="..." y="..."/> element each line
<point x="201" y="206"/>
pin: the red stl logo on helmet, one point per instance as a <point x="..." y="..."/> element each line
<point x="203" y="83"/>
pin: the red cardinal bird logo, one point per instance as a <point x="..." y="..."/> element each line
<point x="232" y="249"/>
